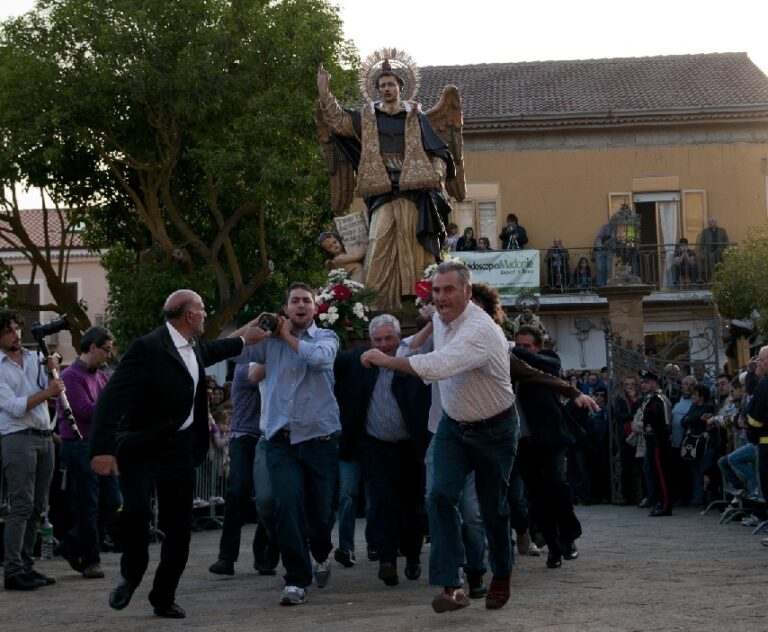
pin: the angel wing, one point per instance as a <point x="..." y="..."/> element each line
<point x="340" y="169"/>
<point x="446" y="118"/>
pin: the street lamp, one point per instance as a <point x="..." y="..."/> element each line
<point x="625" y="233"/>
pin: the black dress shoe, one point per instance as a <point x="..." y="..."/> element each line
<point x="48" y="580"/>
<point x="658" y="511"/>
<point x="645" y="504"/>
<point x="23" y="581"/>
<point x="554" y="560"/>
<point x="569" y="551"/>
<point x="121" y="594"/>
<point x="222" y="567"/>
<point x="170" y="612"/>
<point x="413" y="571"/>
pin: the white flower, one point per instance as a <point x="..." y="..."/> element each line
<point x="323" y="317"/>
<point x="358" y="309"/>
<point x="332" y="318"/>
<point x="333" y="310"/>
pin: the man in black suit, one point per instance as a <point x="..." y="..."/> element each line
<point x="151" y="420"/>
<point x="384" y="425"/>
<point x="545" y="436"/>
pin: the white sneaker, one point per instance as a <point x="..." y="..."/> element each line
<point x="293" y="596"/>
<point x="321" y="572"/>
<point x="534" y="551"/>
<point x="750" y="521"/>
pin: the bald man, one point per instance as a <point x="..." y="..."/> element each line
<point x="151" y="423"/>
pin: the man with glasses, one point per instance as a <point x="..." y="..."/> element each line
<point x="28" y="454"/>
<point x="93" y="499"/>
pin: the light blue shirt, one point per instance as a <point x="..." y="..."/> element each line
<point x="298" y="390"/>
<point x="17" y="385"/>
<point x="679" y="411"/>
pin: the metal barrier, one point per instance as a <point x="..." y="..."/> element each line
<point x="210" y="487"/>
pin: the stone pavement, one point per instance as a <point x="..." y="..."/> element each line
<point x="635" y="573"/>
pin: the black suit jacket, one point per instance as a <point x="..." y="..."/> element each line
<point x="547" y="421"/>
<point x="354" y="388"/>
<point x="147" y="399"/>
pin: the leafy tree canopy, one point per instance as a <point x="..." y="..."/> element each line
<point x="740" y="287"/>
<point x="185" y="128"/>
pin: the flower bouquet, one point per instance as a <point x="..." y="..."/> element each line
<point x="343" y="305"/>
<point x="423" y="289"/>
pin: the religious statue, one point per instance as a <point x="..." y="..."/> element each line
<point x="403" y="163"/>
<point x="338" y="256"/>
<point x="527" y="305"/>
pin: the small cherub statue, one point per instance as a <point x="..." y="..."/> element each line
<point x="338" y="257"/>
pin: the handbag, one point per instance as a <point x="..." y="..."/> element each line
<point x="693" y="446"/>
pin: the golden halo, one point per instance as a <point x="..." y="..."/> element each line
<point x="403" y="66"/>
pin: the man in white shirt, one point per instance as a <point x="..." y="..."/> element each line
<point x="478" y="432"/>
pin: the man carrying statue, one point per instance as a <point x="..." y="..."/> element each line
<point x="402" y="163"/>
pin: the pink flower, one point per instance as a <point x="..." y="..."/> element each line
<point x="341" y="292"/>
<point x="423" y="289"/>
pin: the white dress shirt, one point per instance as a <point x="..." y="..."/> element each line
<point x="187" y="352"/>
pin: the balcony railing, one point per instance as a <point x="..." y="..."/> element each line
<point x="657" y="265"/>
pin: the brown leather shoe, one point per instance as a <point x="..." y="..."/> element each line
<point x="498" y="593"/>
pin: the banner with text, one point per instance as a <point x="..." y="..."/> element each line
<point x="509" y="271"/>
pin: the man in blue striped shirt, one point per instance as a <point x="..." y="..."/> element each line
<point x="301" y="424"/>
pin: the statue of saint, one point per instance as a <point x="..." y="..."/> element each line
<point x="403" y="162"/>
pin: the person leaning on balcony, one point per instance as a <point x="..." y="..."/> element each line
<point x="685" y="267"/>
<point x="713" y="241"/>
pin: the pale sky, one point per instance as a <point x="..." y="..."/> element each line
<point x="451" y="32"/>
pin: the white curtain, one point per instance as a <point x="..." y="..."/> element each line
<point x="668" y="214"/>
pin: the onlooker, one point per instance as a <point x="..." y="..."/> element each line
<point x="680" y="480"/>
<point x="697" y="421"/>
<point x="27" y="443"/>
<point x="713" y="241"/>
<point x="467" y="241"/>
<point x="602" y="255"/>
<point x="558" y="267"/>
<point x="513" y="236"/>
<point x="483" y="244"/>
<point x="624" y="408"/>
<point x="452" y="237"/>
<point x="93" y="499"/>
<point x="685" y="266"/>
<point x="582" y="275"/>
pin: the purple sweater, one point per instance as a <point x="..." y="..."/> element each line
<point x="83" y="389"/>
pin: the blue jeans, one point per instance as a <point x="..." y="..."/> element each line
<point x="242" y="453"/>
<point x="304" y="478"/>
<point x="742" y="462"/>
<point x="266" y="550"/>
<point x="93" y="503"/>
<point x="490" y="453"/>
<point x="349" y="484"/>
<point x="472" y="527"/>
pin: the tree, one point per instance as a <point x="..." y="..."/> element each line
<point x="740" y="287"/>
<point x="193" y="120"/>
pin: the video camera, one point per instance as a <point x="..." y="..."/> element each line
<point x="39" y="331"/>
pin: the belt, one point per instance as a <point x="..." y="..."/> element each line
<point x="45" y="434"/>
<point x="486" y="423"/>
<point x="285" y="435"/>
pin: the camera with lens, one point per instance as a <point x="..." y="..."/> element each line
<point x="39" y="331"/>
<point x="268" y="322"/>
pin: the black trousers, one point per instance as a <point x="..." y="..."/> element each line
<point x="543" y="472"/>
<point x="394" y="476"/>
<point x="167" y="469"/>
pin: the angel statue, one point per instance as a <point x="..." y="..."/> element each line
<point x="403" y="161"/>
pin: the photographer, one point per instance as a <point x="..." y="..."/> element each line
<point x="28" y="455"/>
<point x="88" y="492"/>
